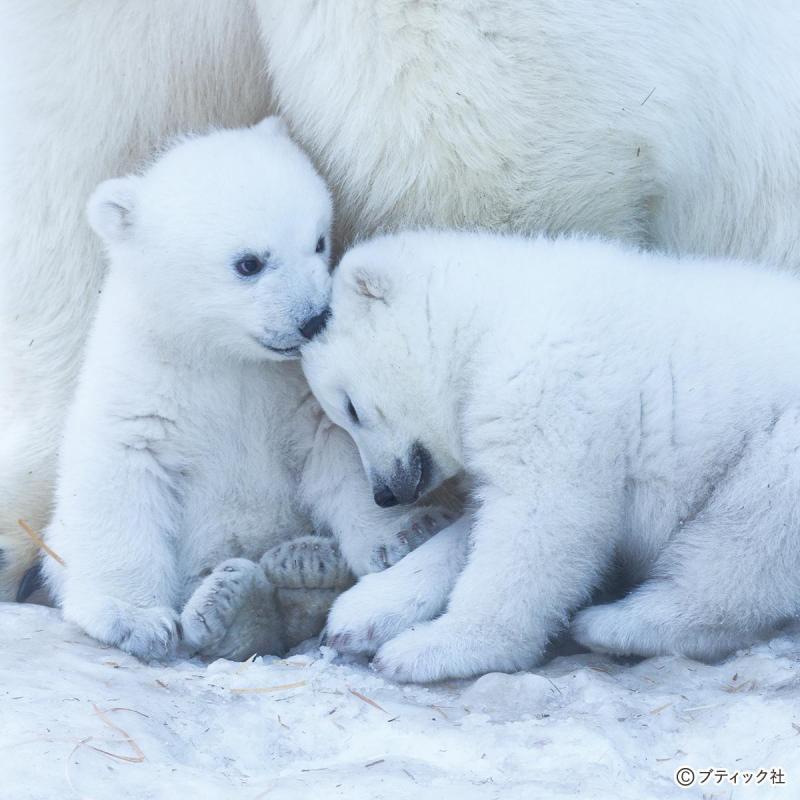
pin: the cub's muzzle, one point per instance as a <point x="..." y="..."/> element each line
<point x="408" y="481"/>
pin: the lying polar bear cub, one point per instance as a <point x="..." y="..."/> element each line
<point x="194" y="445"/>
<point x="607" y="405"/>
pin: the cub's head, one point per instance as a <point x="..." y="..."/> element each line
<point x="379" y="369"/>
<point x="228" y="234"/>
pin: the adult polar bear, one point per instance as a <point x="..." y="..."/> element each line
<point x="674" y="125"/>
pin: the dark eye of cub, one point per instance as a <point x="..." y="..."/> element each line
<point x="351" y="410"/>
<point x="321" y="244"/>
<point x="247" y="266"/>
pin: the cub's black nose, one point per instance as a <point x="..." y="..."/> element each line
<point x="310" y="328"/>
<point x="384" y="497"/>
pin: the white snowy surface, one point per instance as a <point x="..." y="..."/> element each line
<point x="582" y="726"/>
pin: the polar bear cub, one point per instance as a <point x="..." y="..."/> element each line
<point x="607" y="405"/>
<point x="193" y="444"/>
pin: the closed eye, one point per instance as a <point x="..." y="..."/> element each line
<point x="351" y="411"/>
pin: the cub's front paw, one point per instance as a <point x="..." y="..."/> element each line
<point x="210" y="612"/>
<point x="423" y="654"/>
<point x="150" y="634"/>
<point x="416" y="528"/>
<point x="444" y="649"/>
<point x="307" y="562"/>
<point x="375" y="610"/>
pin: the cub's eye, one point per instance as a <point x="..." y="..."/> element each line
<point x="351" y="411"/>
<point x="320" y="245"/>
<point x="247" y="266"/>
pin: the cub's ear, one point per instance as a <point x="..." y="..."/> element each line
<point x="112" y="207"/>
<point x="371" y="283"/>
<point x="272" y="126"/>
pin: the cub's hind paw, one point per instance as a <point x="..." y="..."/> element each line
<point x="307" y="562"/>
<point x="210" y="612"/>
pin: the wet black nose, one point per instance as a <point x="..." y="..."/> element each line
<point x="384" y="497"/>
<point x="311" y="327"/>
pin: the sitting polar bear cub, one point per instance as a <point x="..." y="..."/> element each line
<point x="194" y="445"/>
<point x="607" y="405"/>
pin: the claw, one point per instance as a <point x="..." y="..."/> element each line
<point x="340" y="641"/>
<point x="384" y="556"/>
<point x="31" y="581"/>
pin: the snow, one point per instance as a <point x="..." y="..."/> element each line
<point x="582" y="725"/>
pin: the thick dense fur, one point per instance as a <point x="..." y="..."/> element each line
<point x="88" y="90"/>
<point x="673" y="124"/>
<point x="193" y="445"/>
<point x="610" y="407"/>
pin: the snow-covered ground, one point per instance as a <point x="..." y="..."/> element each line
<point x="80" y="720"/>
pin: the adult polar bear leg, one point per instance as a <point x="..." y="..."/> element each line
<point x="384" y="604"/>
<point x="729" y="576"/>
<point x="87" y="91"/>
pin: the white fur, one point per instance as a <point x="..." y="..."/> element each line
<point x="671" y="124"/>
<point x="384" y="604"/>
<point x="608" y="406"/>
<point x="193" y="443"/>
<point x="88" y="90"/>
